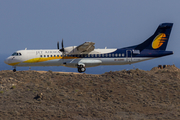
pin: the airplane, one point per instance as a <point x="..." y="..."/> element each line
<point x="85" y="55"/>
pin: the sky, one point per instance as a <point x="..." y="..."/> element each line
<point x="39" y="24"/>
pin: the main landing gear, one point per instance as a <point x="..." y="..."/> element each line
<point x="81" y="68"/>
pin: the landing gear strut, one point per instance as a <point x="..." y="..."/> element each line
<point x="81" y="68"/>
<point x="14" y="70"/>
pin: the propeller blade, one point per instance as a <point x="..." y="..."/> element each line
<point x="62" y="49"/>
<point x="58" y="45"/>
<point x="62" y="44"/>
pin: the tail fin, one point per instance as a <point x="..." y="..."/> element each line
<point x="159" y="40"/>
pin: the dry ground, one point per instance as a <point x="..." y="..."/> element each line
<point x="126" y="95"/>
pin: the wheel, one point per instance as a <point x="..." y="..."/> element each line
<point x="81" y="69"/>
<point x="14" y="70"/>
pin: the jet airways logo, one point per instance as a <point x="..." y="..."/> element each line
<point x="159" y="40"/>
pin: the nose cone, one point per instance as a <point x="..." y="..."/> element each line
<point x="6" y="61"/>
<point x="13" y="61"/>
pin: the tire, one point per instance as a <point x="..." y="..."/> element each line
<point x="81" y="69"/>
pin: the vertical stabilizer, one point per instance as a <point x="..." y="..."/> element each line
<point x="159" y="40"/>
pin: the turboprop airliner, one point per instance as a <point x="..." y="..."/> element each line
<point x="85" y="55"/>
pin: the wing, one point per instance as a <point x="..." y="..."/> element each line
<point x="86" y="47"/>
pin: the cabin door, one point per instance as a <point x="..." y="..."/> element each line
<point x="128" y="55"/>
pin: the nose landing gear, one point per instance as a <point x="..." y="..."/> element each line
<point x="14" y="70"/>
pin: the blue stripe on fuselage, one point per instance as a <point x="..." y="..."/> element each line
<point x="144" y="53"/>
<point x="154" y="53"/>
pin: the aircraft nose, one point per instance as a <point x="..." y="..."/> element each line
<point x="6" y="61"/>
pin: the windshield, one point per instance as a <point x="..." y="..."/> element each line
<point x="16" y="54"/>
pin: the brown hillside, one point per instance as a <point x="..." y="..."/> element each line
<point x="132" y="95"/>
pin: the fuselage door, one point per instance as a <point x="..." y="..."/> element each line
<point x="128" y="55"/>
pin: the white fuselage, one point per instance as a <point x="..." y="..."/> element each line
<point x="54" y="57"/>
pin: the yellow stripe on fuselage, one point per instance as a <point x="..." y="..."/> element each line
<point x="34" y="60"/>
<point x="13" y="64"/>
<point x="41" y="59"/>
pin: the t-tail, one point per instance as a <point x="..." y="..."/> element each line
<point x="159" y="40"/>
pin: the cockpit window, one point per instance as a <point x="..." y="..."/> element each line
<point x="16" y="54"/>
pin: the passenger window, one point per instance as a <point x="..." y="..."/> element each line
<point x="112" y="55"/>
<point x="57" y="55"/>
<point x="54" y="55"/>
<point x="102" y="55"/>
<point x="47" y="55"/>
<point x="119" y="55"/>
<point x="123" y="54"/>
<point x="44" y="55"/>
<point x="51" y="55"/>
<point x="40" y="55"/>
<point x="116" y="55"/>
<point x="109" y="55"/>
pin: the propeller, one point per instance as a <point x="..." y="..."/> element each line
<point x="62" y="45"/>
<point x="62" y="49"/>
